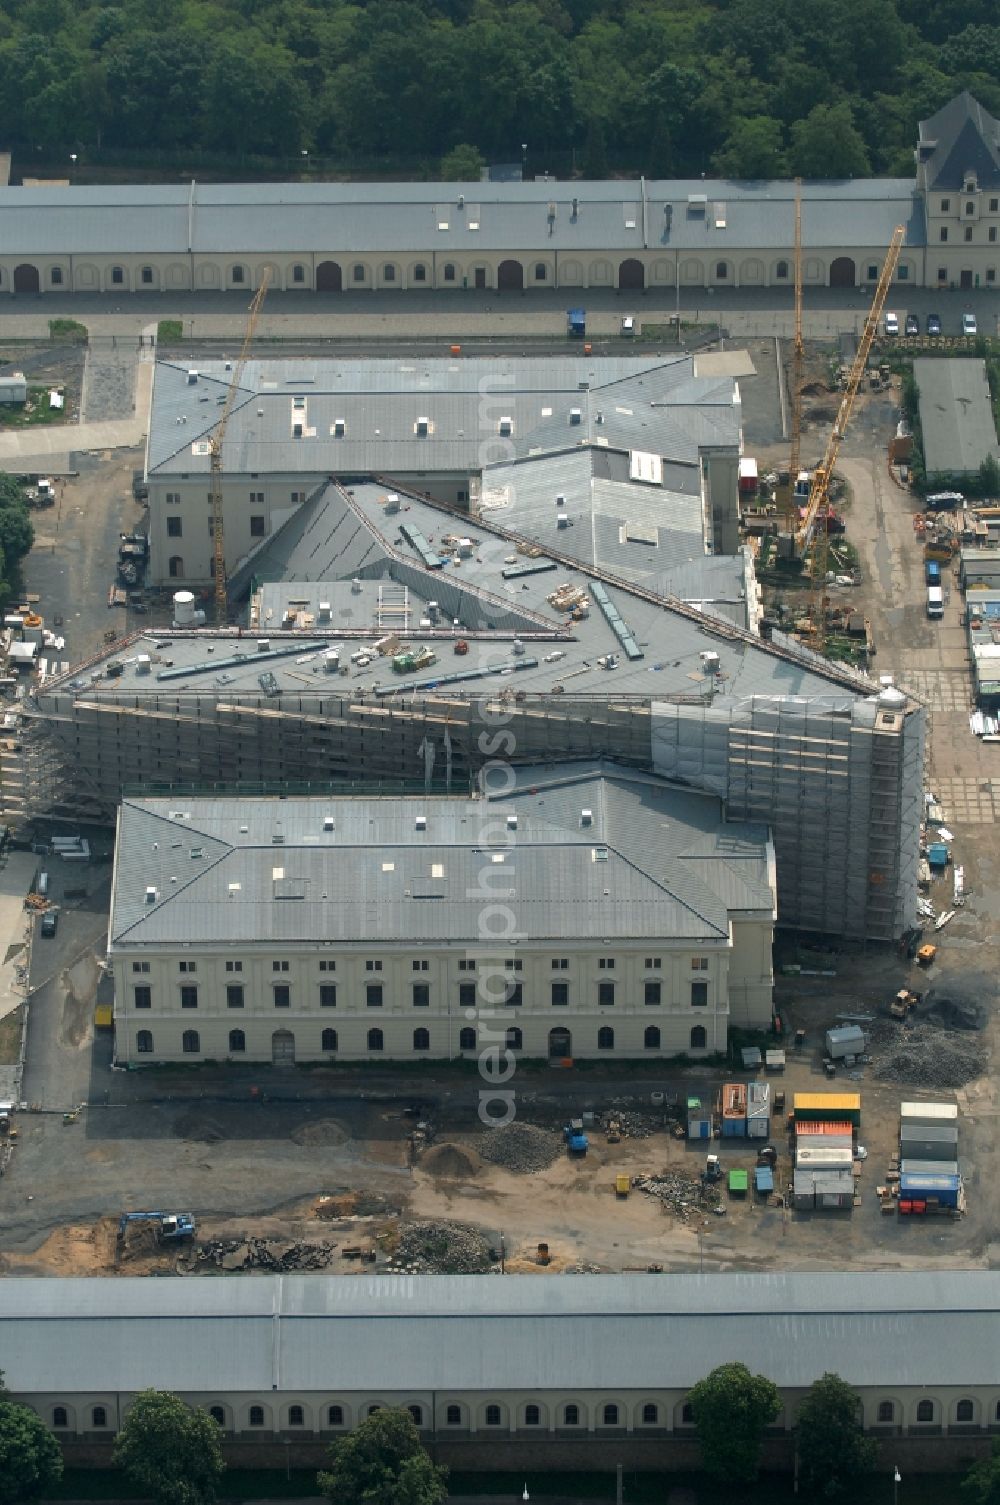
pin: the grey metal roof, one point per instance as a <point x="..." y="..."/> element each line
<point x="960" y="138"/>
<point x="641" y="402"/>
<point x="382" y="1334"/>
<point x="345" y="219"/>
<point x="956" y="414"/>
<point x="243" y="869"/>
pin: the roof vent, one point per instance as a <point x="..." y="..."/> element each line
<point x="192" y="378"/>
<point x="151" y="895"/>
<point x="512" y="823"/>
<point x="339" y="428"/>
<point x="576" y="207"/>
<point x="328" y="823"/>
<point x="264" y="645"/>
<point x="422" y="425"/>
<point x="392" y="502"/>
<point x="296" y="431"/>
<point x="710" y="662"/>
<point x="552" y="209"/>
<point x="420" y="822"/>
<point x="562" y="519"/>
<point x="461" y="201"/>
<point x="506" y="425"/>
<point x="586" y="817"/>
<point x="561" y="499"/>
<point x="355" y="586"/>
<point x="325" y="611"/>
<point x="234" y="888"/>
<point x="575" y="415"/>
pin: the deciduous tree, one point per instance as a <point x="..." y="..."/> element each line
<point x="171" y="1453"/>
<point x="833" y="1450"/>
<point x="383" y="1462"/>
<point x="30" y="1461"/>
<point x="731" y="1408"/>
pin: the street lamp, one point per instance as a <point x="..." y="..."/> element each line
<point x="524" y="160"/>
<point x="897" y="1480"/>
<point x="525" y="1496"/>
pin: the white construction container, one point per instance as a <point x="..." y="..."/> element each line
<point x="928" y="1115"/>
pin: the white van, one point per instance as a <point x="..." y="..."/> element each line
<point x="935" y="601"/>
<point x="892" y="324"/>
<point x="42" y="886"/>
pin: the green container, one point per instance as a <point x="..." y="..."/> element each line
<point x="738" y="1183"/>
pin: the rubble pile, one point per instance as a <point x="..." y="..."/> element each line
<point x="264" y="1254"/>
<point x="441" y="1249"/>
<point x="927" y="1056"/>
<point x="680" y="1193"/>
<point x="520" y="1147"/>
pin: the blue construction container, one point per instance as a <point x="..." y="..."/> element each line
<point x="937" y="854"/>
<point x="699" y="1128"/>
<point x="734" y="1128"/>
<point x="763" y="1179"/>
<point x="945" y="1189"/>
<point x="576" y="323"/>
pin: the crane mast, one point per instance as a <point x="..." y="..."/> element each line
<point x="798" y="359"/>
<point x="215" y="452"/>
<point x="819" y="490"/>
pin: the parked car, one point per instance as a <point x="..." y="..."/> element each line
<point x="912" y="324"/>
<point x="933" y="323"/>
<point x="969" y="325"/>
<point x="628" y="327"/>
<point x="50" y="919"/>
<point x="892" y="323"/>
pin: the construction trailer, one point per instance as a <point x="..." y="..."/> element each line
<point x="733" y="1110"/>
<point x="813" y="1156"/>
<point x="822" y="1190"/>
<point x="929" y="1193"/>
<point x="928" y="1168"/>
<point x="829" y="1107"/>
<point x="928" y="1142"/>
<point x="930" y="1114"/>
<point x="758" y="1110"/>
<point x="847" y="1040"/>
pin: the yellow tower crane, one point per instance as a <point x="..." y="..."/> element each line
<point x="798" y="362"/>
<point x="819" y="490"/>
<point x="216" y="442"/>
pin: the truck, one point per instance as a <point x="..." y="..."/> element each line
<point x="577" y="1143"/>
<point x="932" y="571"/>
<point x="170" y="1226"/>
<point x="576" y="323"/>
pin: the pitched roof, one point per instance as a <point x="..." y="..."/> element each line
<point x="961" y="138"/>
<point x="333" y="869"/>
<point x="956" y="414"/>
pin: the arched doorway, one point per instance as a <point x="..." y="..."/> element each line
<point x="329" y="278"/>
<point x="510" y="277"/>
<point x="283" y="1048"/>
<point x="26" y="278"/>
<point x="632" y="275"/>
<point x="560" y="1044"/>
<point x="842" y="272"/>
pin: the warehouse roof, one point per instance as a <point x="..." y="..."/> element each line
<point x="424" y="219"/>
<point x="392" y="1334"/>
<point x="956" y="414"/>
<point x="350" y="417"/>
<point x="415" y="868"/>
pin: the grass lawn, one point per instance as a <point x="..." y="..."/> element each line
<point x="34" y="412"/>
<point x="10" y="1037"/>
<point x="169" y="332"/>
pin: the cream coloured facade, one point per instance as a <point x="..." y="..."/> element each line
<point x="438" y="928"/>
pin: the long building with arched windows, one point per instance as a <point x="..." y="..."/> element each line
<point x="630" y="234"/>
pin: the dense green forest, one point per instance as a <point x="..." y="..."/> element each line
<point x="667" y="87"/>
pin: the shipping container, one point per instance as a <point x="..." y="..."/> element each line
<point x="752" y="1057"/>
<point x="928" y="1167"/>
<point x="699" y="1128"/>
<point x="734" y="1110"/>
<point x="929" y="1142"/>
<point x="946" y="1189"/>
<point x="928" y="1113"/>
<point x="828" y="1106"/>
<point x="763" y="1180"/>
<point x="823" y="1157"/>
<point x="849" y="1040"/>
<point x="822" y="1129"/>
<point x="759" y="1110"/>
<point x="823" y="1189"/>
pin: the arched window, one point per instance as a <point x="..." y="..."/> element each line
<point x="699" y="1037"/>
<point x="449" y="271"/>
<point x="687" y="1414"/>
<point x="651" y="1038"/>
<point x="256" y="1416"/>
<point x="144" y="1042"/>
<point x="359" y="272"/>
<point x="781" y="270"/>
<point x="540" y="271"/>
<point x="571" y="1415"/>
<point x="467" y="1039"/>
<point x="389" y="272"/>
<point x="329" y="1041"/>
<point x="417" y="1412"/>
<point x="606" y="1038"/>
<point x="375" y="1041"/>
<point x="453" y="1416"/>
<point x="420" y="272"/>
<point x="610" y="1414"/>
<point x="650" y="1414"/>
<point x="965" y="1411"/>
<point x="492" y="1416"/>
<point x="925" y="1410"/>
<point x="117" y="276"/>
<point x="146" y="276"/>
<point x="998" y="1411"/>
<point x="99" y="1416"/>
<point x="60" y="1417"/>
<point x="886" y="1410"/>
<point x="190" y="1042"/>
<point x="298" y="272"/>
<point x="335" y="1416"/>
<point x="217" y="1414"/>
<point x="421" y="1039"/>
<point x="237" y="1041"/>
<point x="238" y="275"/>
<point x="514" y="1038"/>
<point x="296" y="1417"/>
<point x="175" y="567"/>
<point x="722" y="270"/>
<point x="532" y="1416"/>
<point x="372" y="1409"/>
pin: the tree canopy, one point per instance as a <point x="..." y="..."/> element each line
<point x="30" y="1461"/>
<point x="833" y="1450"/>
<point x="671" y="86"/>
<point x="16" y="532"/>
<point x="170" y="1453"/>
<point x="383" y="1462"/>
<point x="731" y="1408"/>
<point x="981" y="1485"/>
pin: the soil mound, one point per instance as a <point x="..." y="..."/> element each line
<point x="451" y="1160"/>
<point x="324" y="1131"/>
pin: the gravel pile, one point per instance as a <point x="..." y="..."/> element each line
<point x="520" y="1147"/>
<point x="442" y="1249"/>
<point x="924" y="1056"/>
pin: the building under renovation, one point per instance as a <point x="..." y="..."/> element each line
<point x="393" y="641"/>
